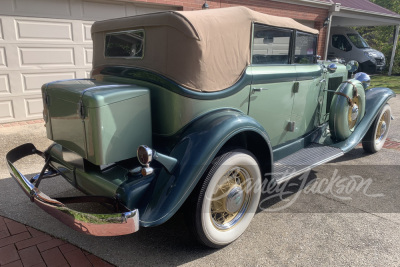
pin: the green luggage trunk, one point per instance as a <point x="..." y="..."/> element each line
<point x="101" y="122"/>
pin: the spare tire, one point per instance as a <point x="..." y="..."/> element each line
<point x="347" y="109"/>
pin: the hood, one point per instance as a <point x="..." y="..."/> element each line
<point x="374" y="53"/>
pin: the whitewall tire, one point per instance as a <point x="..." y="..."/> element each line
<point x="226" y="198"/>
<point x="375" y="138"/>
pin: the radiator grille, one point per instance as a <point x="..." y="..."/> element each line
<point x="333" y="84"/>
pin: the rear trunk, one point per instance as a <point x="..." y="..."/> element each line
<point x="101" y="122"/>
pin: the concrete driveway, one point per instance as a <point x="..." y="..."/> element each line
<point x="353" y="221"/>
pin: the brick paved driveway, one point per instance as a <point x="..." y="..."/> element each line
<point x="22" y="245"/>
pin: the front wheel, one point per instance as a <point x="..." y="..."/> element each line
<point x="376" y="136"/>
<point x="226" y="199"/>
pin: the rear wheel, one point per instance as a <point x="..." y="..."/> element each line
<point x="376" y="136"/>
<point x="226" y="199"/>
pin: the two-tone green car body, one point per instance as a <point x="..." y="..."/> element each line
<point x="195" y="110"/>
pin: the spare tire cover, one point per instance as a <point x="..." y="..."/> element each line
<point x="343" y="118"/>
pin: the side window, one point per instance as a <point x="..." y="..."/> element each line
<point x="271" y="45"/>
<point x="306" y="48"/>
<point x="340" y="42"/>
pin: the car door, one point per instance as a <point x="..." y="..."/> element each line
<point x="271" y="97"/>
<point x="306" y="106"/>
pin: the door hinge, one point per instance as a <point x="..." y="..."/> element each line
<point x="295" y="87"/>
<point x="290" y="126"/>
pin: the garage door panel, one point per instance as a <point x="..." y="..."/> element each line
<point x="35" y="8"/>
<point x="88" y="56"/>
<point x="101" y="11"/>
<point x="3" y="61"/>
<point x="1" y="29"/>
<point x="46" y="56"/>
<point x="144" y="9"/>
<point x="7" y="6"/>
<point x="6" y="110"/>
<point x="4" y="84"/>
<point x="87" y="36"/>
<point x="47" y="40"/>
<point x="33" y="107"/>
<point x="34" y="30"/>
<point x="32" y="82"/>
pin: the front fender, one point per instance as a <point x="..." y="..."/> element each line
<point x="375" y="99"/>
<point x="199" y="144"/>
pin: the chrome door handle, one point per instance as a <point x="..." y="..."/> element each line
<point x="257" y="90"/>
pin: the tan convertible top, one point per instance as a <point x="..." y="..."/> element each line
<point x="205" y="50"/>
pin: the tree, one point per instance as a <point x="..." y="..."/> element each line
<point x="381" y="37"/>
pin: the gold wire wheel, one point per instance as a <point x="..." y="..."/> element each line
<point x="231" y="198"/>
<point x="382" y="127"/>
<point x="351" y="120"/>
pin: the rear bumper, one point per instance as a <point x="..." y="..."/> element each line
<point x="122" y="223"/>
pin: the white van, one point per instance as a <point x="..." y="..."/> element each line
<point x="348" y="44"/>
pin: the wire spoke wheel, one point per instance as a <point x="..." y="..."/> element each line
<point x="353" y="113"/>
<point x="382" y="127"/>
<point x="375" y="138"/>
<point x="226" y="199"/>
<point x="230" y="199"/>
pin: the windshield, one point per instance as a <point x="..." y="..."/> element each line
<point x="357" y="40"/>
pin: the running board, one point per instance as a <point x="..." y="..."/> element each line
<point x="303" y="161"/>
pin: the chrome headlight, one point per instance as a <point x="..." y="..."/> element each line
<point x="363" y="78"/>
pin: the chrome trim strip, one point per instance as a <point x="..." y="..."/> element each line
<point x="113" y="224"/>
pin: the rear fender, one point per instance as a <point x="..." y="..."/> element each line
<point x="199" y="144"/>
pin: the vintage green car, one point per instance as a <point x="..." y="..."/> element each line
<point x="195" y="110"/>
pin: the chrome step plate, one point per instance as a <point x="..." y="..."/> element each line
<point x="303" y="161"/>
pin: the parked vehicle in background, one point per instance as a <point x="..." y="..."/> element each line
<point x="348" y="44"/>
<point x="195" y="110"/>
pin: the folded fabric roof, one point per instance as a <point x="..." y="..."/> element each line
<point x="205" y="50"/>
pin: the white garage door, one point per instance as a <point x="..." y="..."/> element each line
<point x="47" y="40"/>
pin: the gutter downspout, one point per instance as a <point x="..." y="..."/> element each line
<point x="328" y="33"/>
<point x="396" y="38"/>
<point x="335" y="7"/>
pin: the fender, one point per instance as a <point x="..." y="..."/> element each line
<point x="199" y="144"/>
<point x="375" y="99"/>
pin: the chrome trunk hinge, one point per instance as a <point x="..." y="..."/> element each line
<point x="46" y="99"/>
<point x="81" y="109"/>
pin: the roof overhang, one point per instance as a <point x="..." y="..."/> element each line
<point x="353" y="17"/>
<point x="349" y="16"/>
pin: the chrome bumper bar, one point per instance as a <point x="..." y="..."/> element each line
<point x="123" y="223"/>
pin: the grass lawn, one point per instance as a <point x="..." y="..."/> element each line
<point x="392" y="82"/>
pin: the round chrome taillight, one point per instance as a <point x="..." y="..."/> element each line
<point x="144" y="154"/>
